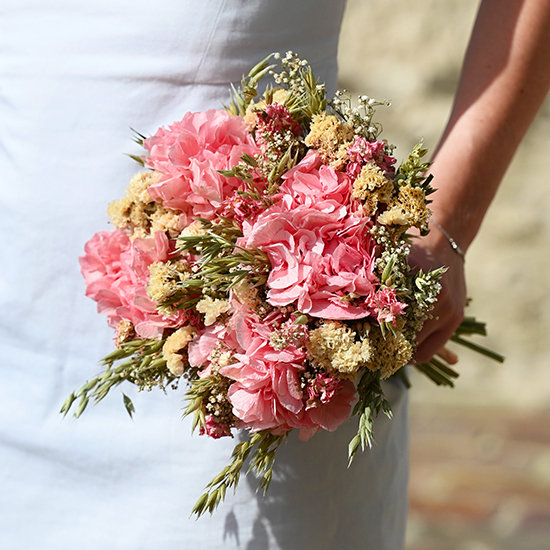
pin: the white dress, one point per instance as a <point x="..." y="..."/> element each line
<point x="74" y="76"/>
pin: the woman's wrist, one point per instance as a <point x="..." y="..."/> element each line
<point x="452" y="242"/>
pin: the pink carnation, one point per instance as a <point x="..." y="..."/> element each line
<point x="331" y="413"/>
<point x="267" y="393"/>
<point x="385" y="306"/>
<point x="312" y="183"/>
<point x="318" y="260"/>
<point x="321" y="390"/>
<point x="189" y="154"/>
<point x="116" y="273"/>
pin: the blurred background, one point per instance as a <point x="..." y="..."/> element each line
<point x="480" y="453"/>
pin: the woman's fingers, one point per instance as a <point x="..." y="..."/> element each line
<point x="447" y="355"/>
<point x="449" y="308"/>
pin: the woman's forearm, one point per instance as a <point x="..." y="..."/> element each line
<point x="504" y="80"/>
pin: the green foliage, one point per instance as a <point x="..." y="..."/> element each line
<point x="370" y="403"/>
<point x="241" y="98"/>
<point x="222" y="263"/>
<point x="412" y="170"/>
<point x="144" y="367"/>
<point x="261" y="462"/>
<point x="129" y="405"/>
<point x="197" y="397"/>
<point x="139" y="139"/>
<point x="438" y="372"/>
<point x="307" y="96"/>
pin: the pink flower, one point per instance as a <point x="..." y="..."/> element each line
<point x="189" y="154"/>
<point x="318" y="260"/>
<point x="331" y="414"/>
<point x="267" y="392"/>
<point x="275" y="119"/>
<point x="385" y="306"/>
<point x="213" y="429"/>
<point x="312" y="183"/>
<point x="363" y="151"/>
<point x="321" y="390"/>
<point x="242" y="208"/>
<point x="116" y="274"/>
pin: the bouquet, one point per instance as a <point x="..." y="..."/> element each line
<point x="262" y="259"/>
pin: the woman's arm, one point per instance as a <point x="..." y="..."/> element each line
<point x="504" y="80"/>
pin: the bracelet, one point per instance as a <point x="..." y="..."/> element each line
<point x="452" y="242"/>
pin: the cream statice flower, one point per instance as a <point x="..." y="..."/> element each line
<point x="175" y="349"/>
<point x="164" y="281"/>
<point x="331" y="138"/>
<point x="389" y="352"/>
<point x="409" y="209"/>
<point x="334" y="348"/>
<point x="372" y="187"/>
<point x="194" y="229"/>
<point x="212" y="309"/>
<point x="138" y="212"/>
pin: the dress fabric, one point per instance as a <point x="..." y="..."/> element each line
<point x="74" y="76"/>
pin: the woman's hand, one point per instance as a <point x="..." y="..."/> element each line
<point x="430" y="253"/>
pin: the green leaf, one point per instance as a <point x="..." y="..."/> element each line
<point x="139" y="160"/>
<point x="68" y="404"/>
<point x="388" y="268"/>
<point x="129" y="405"/>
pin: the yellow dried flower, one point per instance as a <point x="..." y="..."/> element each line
<point x="139" y="233"/>
<point x="279" y="96"/>
<point x="389" y="353"/>
<point x="137" y="188"/>
<point x="124" y="332"/>
<point x="332" y="347"/>
<point x="331" y="138"/>
<point x="174" y="348"/>
<point x="164" y="219"/>
<point x="409" y="209"/>
<point x="120" y="211"/>
<point x="164" y="279"/>
<point x="212" y="309"/>
<point x="138" y="212"/>
<point x="394" y="216"/>
<point x="372" y="187"/>
<point x="195" y="229"/>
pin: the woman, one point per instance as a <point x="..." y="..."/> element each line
<point x="75" y="76"/>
